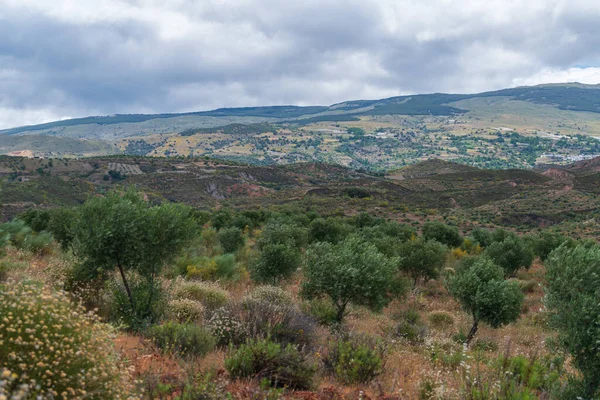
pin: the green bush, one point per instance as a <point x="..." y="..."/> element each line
<point x="322" y="310"/>
<point x="573" y="276"/>
<point x="442" y="233"/>
<point x="528" y="286"/>
<point x="36" y="219"/>
<point x="447" y="354"/>
<point x="484" y="345"/>
<point x="441" y="319"/>
<point x="274" y="262"/>
<point x="40" y="244"/>
<point x="511" y="255"/>
<point x="210" y="294"/>
<point x="280" y="366"/>
<point x="354" y="360"/>
<point x="546" y="242"/>
<point x="148" y="298"/>
<point x="52" y="347"/>
<point x="62" y="226"/>
<point x="276" y="232"/>
<point x="231" y="239"/>
<point x="330" y="230"/>
<point x="205" y="386"/>
<point x="421" y="259"/>
<point x="226" y="266"/>
<point x="222" y="267"/>
<point x="182" y="339"/>
<point x="17" y="231"/>
<point x="411" y="331"/>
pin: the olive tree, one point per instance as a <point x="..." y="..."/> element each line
<point x="484" y="293"/>
<point x="279" y="252"/>
<point x="443" y="233"/>
<point x="421" y="258"/>
<point x="121" y="231"/>
<point x="573" y="300"/>
<point x="231" y="239"/>
<point x="274" y="261"/>
<point x="351" y="272"/>
<point x="511" y="255"/>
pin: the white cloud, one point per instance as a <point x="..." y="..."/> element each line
<point x="80" y="57"/>
<point x="587" y="75"/>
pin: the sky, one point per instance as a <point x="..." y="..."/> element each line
<point x="74" y="58"/>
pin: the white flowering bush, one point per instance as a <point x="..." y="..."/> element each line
<point x="51" y="348"/>
<point x="271" y="294"/>
<point x="185" y="310"/>
<point x="210" y="294"/>
<point x="227" y="327"/>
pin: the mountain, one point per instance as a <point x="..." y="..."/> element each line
<point x="510" y="128"/>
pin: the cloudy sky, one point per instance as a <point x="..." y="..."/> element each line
<point x="71" y="58"/>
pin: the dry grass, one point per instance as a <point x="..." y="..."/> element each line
<point x="407" y="365"/>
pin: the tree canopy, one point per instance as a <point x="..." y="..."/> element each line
<point x="484" y="293"/>
<point x="351" y="272"/>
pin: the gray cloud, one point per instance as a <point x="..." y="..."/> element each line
<point x="82" y="57"/>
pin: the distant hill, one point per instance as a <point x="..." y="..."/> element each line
<point x="513" y="197"/>
<point x="511" y="128"/>
<point x="575" y="97"/>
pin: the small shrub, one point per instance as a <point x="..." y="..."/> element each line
<point x="208" y="269"/>
<point x="205" y="386"/>
<point x="185" y="310"/>
<point x="409" y="327"/>
<point x="411" y="332"/>
<point x="226" y="266"/>
<point x="322" y="310"/>
<point x="52" y="348"/>
<point x="265" y="360"/>
<point x="210" y="294"/>
<point x="271" y="294"/>
<point x="227" y="327"/>
<point x="357" y="359"/>
<point x="441" y="319"/>
<point x="528" y="286"/>
<point x="447" y="354"/>
<point x="459" y="337"/>
<point x="148" y="298"/>
<point x="484" y="345"/>
<point x="39" y="244"/>
<point x="182" y="339"/>
<point x="281" y="324"/>
<point x="17" y="231"/>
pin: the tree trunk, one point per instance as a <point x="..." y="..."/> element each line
<point x="473" y="331"/>
<point x="340" y="314"/>
<point x="126" y="287"/>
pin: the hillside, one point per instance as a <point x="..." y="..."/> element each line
<point x="205" y="305"/>
<point x="511" y="128"/>
<point x="505" y="197"/>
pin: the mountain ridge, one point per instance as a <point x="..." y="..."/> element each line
<point x="381" y="106"/>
